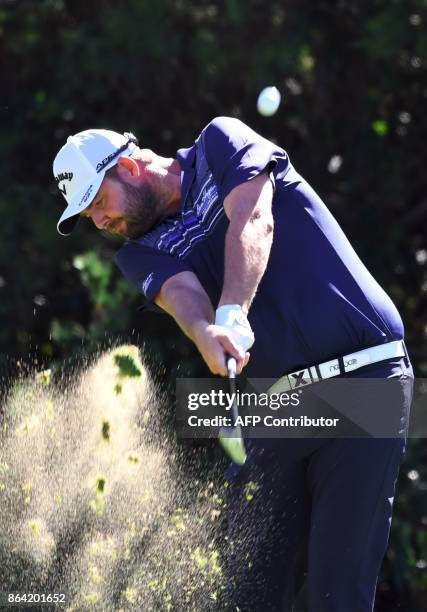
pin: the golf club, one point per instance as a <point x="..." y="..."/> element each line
<point x="231" y="437"/>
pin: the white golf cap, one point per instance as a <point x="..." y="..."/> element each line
<point x="80" y="167"/>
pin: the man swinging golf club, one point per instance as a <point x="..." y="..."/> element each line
<point x="234" y="244"/>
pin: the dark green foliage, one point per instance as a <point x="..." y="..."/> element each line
<point x="353" y="75"/>
<point x="353" y="79"/>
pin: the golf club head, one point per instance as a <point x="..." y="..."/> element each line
<point x="234" y="447"/>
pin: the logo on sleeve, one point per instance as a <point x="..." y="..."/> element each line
<point x="147" y="282"/>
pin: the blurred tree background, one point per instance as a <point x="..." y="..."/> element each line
<point x="353" y="79"/>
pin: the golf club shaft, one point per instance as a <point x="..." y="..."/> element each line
<point x="232" y="367"/>
<point x="231" y="437"/>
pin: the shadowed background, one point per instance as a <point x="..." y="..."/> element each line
<point x="353" y="79"/>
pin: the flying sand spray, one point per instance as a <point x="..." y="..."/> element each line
<point x="95" y="502"/>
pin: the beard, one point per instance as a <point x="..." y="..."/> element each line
<point x="142" y="211"/>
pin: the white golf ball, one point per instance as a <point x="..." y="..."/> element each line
<point x="268" y="101"/>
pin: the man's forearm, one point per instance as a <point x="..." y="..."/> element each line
<point x="247" y="251"/>
<point x="190" y="308"/>
<point x="183" y="297"/>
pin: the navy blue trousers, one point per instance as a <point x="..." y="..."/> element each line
<point x="315" y="512"/>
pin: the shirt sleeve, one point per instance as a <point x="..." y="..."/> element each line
<point x="147" y="269"/>
<point x="236" y="153"/>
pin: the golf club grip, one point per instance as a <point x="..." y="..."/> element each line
<point x="231" y="367"/>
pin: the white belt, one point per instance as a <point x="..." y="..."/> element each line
<point x="335" y="367"/>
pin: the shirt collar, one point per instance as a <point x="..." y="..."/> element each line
<point x="186" y="157"/>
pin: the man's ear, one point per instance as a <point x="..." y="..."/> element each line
<point x="128" y="164"/>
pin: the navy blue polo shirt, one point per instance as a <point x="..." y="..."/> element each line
<point x="316" y="299"/>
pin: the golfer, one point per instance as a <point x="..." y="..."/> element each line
<point x="231" y="241"/>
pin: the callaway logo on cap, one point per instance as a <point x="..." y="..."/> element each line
<point x="80" y="167"/>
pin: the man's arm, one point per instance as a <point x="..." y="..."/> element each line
<point x="248" y="240"/>
<point x="247" y="248"/>
<point x="183" y="297"/>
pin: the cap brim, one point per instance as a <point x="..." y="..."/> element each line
<point x="80" y="202"/>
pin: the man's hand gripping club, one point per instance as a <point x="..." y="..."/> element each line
<point x="185" y="299"/>
<point x="231" y="335"/>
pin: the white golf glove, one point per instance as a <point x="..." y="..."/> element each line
<point x="234" y="319"/>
